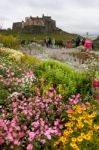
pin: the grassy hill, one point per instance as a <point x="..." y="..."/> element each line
<point x="58" y="35"/>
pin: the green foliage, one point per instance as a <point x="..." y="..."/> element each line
<point x="30" y="60"/>
<point x="65" y="78"/>
<point x="9" y="41"/>
<point x="96" y="45"/>
<point x="3" y="94"/>
<point x="60" y="36"/>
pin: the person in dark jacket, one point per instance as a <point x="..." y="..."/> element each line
<point x="83" y="41"/>
<point x="78" y="41"/>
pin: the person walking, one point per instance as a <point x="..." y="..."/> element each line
<point x="78" y="41"/>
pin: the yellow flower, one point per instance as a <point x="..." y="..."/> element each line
<point x="69" y="115"/>
<point x="56" y="143"/>
<point x="61" y="139"/>
<point x="69" y="124"/>
<point x="96" y="127"/>
<point x="92" y="115"/>
<point x="78" y="109"/>
<point x="80" y="118"/>
<point x="82" y="134"/>
<point x="74" y="146"/>
<point x="79" y="139"/>
<point x="73" y="139"/>
<point x="72" y="118"/>
<point x="70" y="130"/>
<point x="89" y="122"/>
<point x="90" y="133"/>
<point x="84" y="108"/>
<point x="80" y="125"/>
<point x="66" y="133"/>
<point x="87" y="137"/>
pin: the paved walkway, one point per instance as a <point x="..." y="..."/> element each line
<point x="65" y="55"/>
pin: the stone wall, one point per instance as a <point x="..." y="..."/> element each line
<point x="33" y="24"/>
<point x="17" y="26"/>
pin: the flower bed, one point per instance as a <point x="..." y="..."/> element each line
<point x="30" y="120"/>
<point x="35" y="115"/>
<point x="81" y="131"/>
<point x="11" y="54"/>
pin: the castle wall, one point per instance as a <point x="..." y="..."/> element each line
<point x="33" y="24"/>
<point x="35" y="21"/>
<point x="17" y="25"/>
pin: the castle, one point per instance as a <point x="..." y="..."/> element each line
<point x="35" y="25"/>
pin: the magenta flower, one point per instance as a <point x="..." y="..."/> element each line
<point x="95" y="83"/>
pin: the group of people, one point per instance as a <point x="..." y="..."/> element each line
<point x="87" y="43"/>
<point x="48" y="42"/>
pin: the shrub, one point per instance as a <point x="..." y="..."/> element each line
<point x="30" y="60"/>
<point x="9" y="41"/>
<point x="4" y="93"/>
<point x="11" y="54"/>
<point x="64" y="76"/>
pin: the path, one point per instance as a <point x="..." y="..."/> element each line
<point x="64" y="55"/>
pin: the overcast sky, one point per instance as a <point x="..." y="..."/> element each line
<point x="77" y="16"/>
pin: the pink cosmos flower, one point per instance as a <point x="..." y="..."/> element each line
<point x="25" y="112"/>
<point x="31" y="135"/>
<point x="61" y="126"/>
<point x="1" y="141"/>
<point x="21" y="134"/>
<point x="9" y="137"/>
<point x="51" y="94"/>
<point x="14" y="134"/>
<point x="56" y="122"/>
<point x="43" y="141"/>
<point x="18" y="128"/>
<point x="10" y="129"/>
<point x="30" y="147"/>
<point x="2" y="124"/>
<point x="35" y="124"/>
<point x="25" y="127"/>
<point x="12" y="147"/>
<point x="48" y="136"/>
<point x="16" y="142"/>
<point x="47" y="133"/>
<point x="15" y="110"/>
<point x="14" y="104"/>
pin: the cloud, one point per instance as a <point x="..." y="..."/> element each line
<point x="70" y="15"/>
